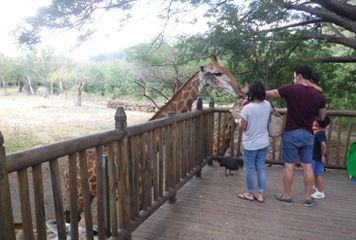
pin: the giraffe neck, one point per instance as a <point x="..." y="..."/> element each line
<point x="183" y="99"/>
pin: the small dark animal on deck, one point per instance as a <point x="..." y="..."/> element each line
<point x="231" y="164"/>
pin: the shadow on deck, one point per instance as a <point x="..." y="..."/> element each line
<point x="208" y="208"/>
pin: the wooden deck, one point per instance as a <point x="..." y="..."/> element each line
<point x="208" y="208"/>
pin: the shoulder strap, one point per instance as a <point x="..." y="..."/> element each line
<point x="272" y="106"/>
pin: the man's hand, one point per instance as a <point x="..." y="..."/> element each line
<point x="244" y="102"/>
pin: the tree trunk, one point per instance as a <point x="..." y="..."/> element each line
<point x="29" y="81"/>
<point x="20" y="86"/>
<point x="79" y="94"/>
<point x="60" y="86"/>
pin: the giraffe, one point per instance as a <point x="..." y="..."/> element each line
<point x="212" y="74"/>
<point x="225" y="132"/>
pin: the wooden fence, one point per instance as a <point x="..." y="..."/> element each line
<point x="147" y="164"/>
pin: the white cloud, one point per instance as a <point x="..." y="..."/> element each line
<point x="11" y="12"/>
<point x="142" y="27"/>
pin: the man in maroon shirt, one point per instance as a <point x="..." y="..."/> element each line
<point x="305" y="102"/>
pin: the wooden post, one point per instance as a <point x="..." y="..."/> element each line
<point x="7" y="228"/>
<point x="120" y="119"/>
<point x="124" y="186"/>
<point x="211" y="103"/>
<point x="211" y="133"/>
<point x="199" y="136"/>
<point x="172" y="157"/>
<point x="106" y="191"/>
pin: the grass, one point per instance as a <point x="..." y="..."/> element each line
<point x="28" y="121"/>
<point x="16" y="139"/>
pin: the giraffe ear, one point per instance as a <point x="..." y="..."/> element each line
<point x="245" y="89"/>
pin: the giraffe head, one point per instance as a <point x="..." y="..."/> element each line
<point x="219" y="77"/>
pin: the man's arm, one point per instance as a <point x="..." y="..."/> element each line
<point x="323" y="151"/>
<point x="272" y="94"/>
<point x="310" y="84"/>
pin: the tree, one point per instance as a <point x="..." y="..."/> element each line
<point x="327" y="21"/>
<point x="159" y="72"/>
<point x="263" y="39"/>
<point x="11" y="72"/>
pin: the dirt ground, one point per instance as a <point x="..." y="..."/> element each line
<point x="54" y="118"/>
<point x="49" y="120"/>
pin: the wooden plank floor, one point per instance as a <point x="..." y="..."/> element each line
<point x="208" y="208"/>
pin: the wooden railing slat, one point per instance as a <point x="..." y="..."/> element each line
<point x="149" y="167"/>
<point x="349" y="129"/>
<point x="85" y="194"/>
<point x="112" y="186"/>
<point x="160" y="167"/>
<point x="25" y="204"/>
<point x="7" y="227"/>
<point x="328" y="141"/>
<point x="100" y="194"/>
<point x="132" y="167"/>
<point x="124" y="182"/>
<point x="57" y="197"/>
<point x="73" y="195"/>
<point x="338" y="142"/>
<point x="39" y="202"/>
<point x="155" y="166"/>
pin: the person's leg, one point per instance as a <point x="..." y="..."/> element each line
<point x="319" y="183"/>
<point x="318" y="172"/>
<point x="314" y="169"/>
<point x="289" y="155"/>
<point x="288" y="174"/>
<point x="306" y="153"/>
<point x="260" y="168"/>
<point x="249" y="166"/>
<point x="308" y="179"/>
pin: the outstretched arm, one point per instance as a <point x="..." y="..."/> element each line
<point x="272" y="94"/>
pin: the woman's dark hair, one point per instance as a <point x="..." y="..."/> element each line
<point x="257" y="91"/>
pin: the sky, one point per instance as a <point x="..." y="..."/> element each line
<point x="142" y="28"/>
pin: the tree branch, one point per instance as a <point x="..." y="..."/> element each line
<point x="343" y="59"/>
<point x="349" y="42"/>
<point x="294" y="25"/>
<point x="339" y="7"/>
<point x="345" y="23"/>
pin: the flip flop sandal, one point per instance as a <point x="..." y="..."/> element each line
<point x="244" y="195"/>
<point x="261" y="200"/>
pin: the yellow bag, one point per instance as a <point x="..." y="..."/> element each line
<point x="275" y="123"/>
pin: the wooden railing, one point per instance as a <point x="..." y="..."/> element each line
<point x="341" y="132"/>
<point x="153" y="159"/>
<point x="147" y="164"/>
